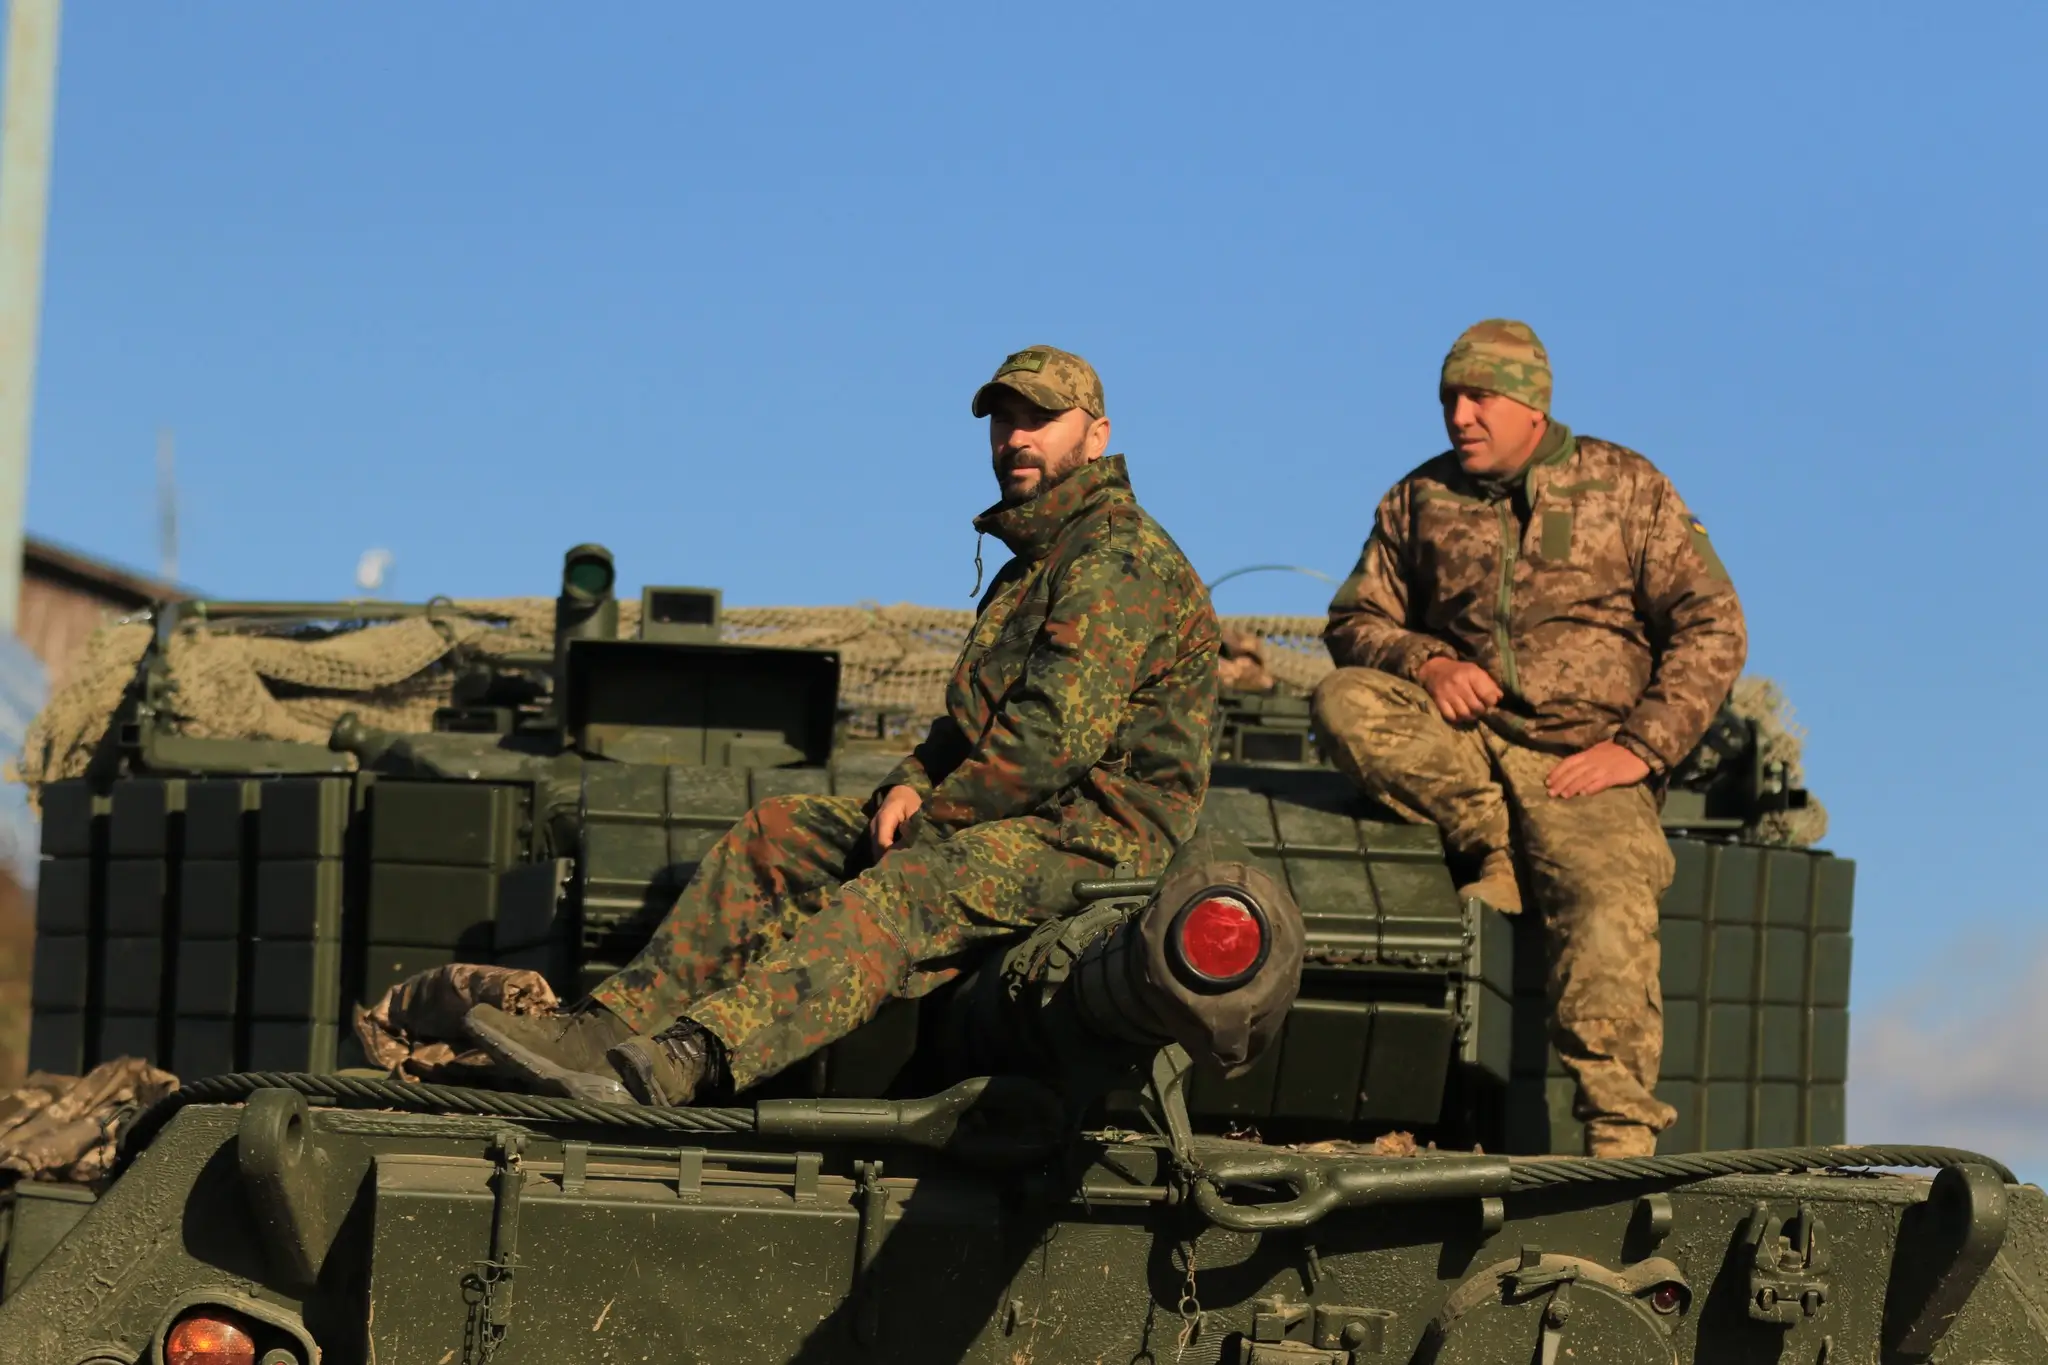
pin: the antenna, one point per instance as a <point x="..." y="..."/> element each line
<point x="166" y="507"/>
<point x="1221" y="579"/>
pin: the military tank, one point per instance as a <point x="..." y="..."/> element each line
<point x="1290" y="1103"/>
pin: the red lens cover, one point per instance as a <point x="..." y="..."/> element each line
<point x="1220" y="938"/>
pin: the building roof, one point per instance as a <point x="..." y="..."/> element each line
<point x="122" y="588"/>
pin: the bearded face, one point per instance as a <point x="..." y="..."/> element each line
<point x="1033" y="449"/>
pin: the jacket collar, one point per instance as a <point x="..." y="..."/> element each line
<point x="1029" y="528"/>
<point x="1557" y="446"/>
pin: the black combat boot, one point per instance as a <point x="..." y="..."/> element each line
<point x="682" y="1064"/>
<point x="557" y="1054"/>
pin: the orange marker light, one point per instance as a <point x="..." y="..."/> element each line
<point x="211" y="1336"/>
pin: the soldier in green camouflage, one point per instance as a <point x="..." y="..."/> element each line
<point x="1536" y="633"/>
<point x="1076" y="738"/>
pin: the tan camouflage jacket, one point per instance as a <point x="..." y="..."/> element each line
<point x="1087" y="689"/>
<point x="1584" y="587"/>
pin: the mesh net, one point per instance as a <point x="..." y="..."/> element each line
<point x="1782" y="740"/>
<point x="68" y="731"/>
<point x="239" y="681"/>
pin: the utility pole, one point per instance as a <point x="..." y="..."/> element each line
<point x="27" y="116"/>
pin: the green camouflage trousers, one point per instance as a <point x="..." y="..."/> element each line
<point x="787" y="938"/>
<point x="1595" y="866"/>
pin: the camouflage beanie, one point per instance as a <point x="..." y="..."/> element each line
<point x="1503" y="357"/>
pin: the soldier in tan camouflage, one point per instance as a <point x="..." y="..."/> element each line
<point x="1536" y="633"/>
<point x="1076" y="738"/>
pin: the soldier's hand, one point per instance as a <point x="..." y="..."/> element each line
<point x="899" y="805"/>
<point x="1592" y="770"/>
<point x="1462" y="691"/>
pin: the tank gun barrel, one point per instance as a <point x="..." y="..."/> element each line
<point x="1211" y="960"/>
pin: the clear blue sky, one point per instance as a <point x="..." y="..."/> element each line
<point x="712" y="285"/>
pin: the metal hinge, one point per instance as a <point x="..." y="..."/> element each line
<point x="487" y="1288"/>
<point x="1286" y="1333"/>
<point x="1788" y="1266"/>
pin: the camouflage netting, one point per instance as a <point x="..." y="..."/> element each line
<point x="1261" y="652"/>
<point x="237" y="683"/>
<point x="230" y="682"/>
<point x="1783" y="740"/>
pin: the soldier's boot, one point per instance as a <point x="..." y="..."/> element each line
<point x="1495" y="884"/>
<point x="681" y="1064"/>
<point x="556" y="1054"/>
<point x="1619" y="1137"/>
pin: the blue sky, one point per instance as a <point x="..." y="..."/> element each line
<point x="475" y="282"/>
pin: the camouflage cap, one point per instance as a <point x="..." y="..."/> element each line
<point x="1054" y="379"/>
<point x="1500" y="356"/>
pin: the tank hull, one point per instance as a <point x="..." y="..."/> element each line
<point x="734" y="1247"/>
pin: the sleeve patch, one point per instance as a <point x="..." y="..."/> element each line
<point x="1704" y="548"/>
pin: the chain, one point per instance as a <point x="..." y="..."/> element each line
<point x="485" y="1328"/>
<point x="489" y="1286"/>
<point x="1190" y="1305"/>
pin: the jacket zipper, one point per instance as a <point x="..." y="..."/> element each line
<point x="1510" y="547"/>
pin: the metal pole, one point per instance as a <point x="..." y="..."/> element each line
<point x="166" y="508"/>
<point x="27" y="117"/>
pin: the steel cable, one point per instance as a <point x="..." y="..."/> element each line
<point x="1544" y="1174"/>
<point x="364" y="1092"/>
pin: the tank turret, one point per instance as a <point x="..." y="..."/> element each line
<point x="572" y="776"/>
<point x="1075" y="1152"/>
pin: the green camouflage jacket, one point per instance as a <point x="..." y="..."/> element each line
<point x="1584" y="587"/>
<point x="1086" y="692"/>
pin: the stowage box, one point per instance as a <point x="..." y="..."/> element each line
<point x="228" y="923"/>
<point x="225" y="923"/>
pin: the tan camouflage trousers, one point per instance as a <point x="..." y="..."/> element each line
<point x="1594" y="866"/>
<point x="787" y="938"/>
